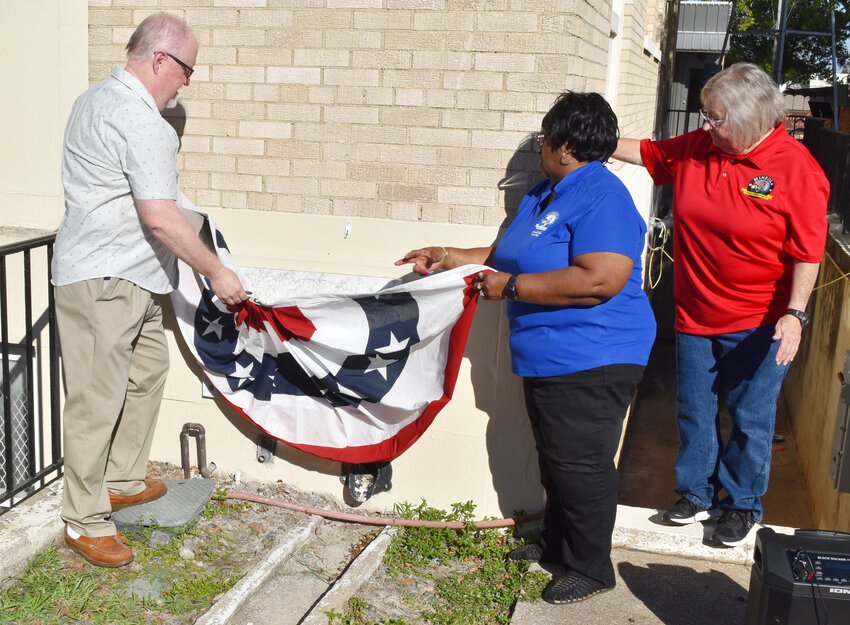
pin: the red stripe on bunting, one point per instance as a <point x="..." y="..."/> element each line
<point x="287" y="321"/>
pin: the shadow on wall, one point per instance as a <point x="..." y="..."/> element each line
<point x="521" y="174"/>
<point x="176" y="116"/>
<point x="498" y="392"/>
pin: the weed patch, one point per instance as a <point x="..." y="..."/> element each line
<point x="446" y="576"/>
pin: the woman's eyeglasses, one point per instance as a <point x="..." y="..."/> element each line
<point x="714" y="123"/>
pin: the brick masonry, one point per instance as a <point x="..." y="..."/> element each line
<point x="388" y="109"/>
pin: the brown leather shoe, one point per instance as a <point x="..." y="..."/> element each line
<point x="105" y="551"/>
<point x="154" y="489"/>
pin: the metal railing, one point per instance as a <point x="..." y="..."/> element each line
<point x="680" y="121"/>
<point x="30" y="435"/>
<point x="796" y="125"/>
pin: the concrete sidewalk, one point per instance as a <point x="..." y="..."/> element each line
<point x="654" y="589"/>
<point x="665" y="576"/>
<point x="29" y="528"/>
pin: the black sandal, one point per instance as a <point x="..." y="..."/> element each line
<point x="572" y="587"/>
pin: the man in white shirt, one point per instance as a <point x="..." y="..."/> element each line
<point x="116" y="249"/>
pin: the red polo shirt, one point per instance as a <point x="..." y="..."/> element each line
<point x="739" y="224"/>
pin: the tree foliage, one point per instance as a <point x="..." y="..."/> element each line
<point x="805" y="56"/>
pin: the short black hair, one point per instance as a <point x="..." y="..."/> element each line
<point x="585" y="123"/>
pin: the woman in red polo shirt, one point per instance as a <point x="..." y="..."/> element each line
<point x="749" y="214"/>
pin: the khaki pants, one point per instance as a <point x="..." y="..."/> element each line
<point x="115" y="361"/>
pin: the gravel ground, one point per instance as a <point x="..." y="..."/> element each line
<point x="404" y="597"/>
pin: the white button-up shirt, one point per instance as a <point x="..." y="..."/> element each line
<point x="117" y="148"/>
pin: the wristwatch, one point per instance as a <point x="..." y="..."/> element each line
<point x="800" y="314"/>
<point x="509" y="292"/>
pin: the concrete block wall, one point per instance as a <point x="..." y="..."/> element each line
<point x="407" y="110"/>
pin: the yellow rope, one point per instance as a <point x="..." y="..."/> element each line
<point x="839" y="278"/>
<point x="660" y="248"/>
<point x="653" y="282"/>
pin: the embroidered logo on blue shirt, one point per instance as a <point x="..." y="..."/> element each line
<point x="541" y="226"/>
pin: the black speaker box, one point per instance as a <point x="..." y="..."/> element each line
<point x="800" y="579"/>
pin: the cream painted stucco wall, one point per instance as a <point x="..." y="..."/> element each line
<point x="399" y="121"/>
<point x="45" y="44"/>
<point x="45" y="47"/>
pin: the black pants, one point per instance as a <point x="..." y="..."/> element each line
<point x="577" y="420"/>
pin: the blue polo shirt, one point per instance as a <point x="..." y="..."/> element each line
<point x="592" y="212"/>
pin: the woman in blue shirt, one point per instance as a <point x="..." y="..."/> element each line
<point x="581" y="330"/>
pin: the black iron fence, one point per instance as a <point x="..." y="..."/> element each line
<point x="680" y="121"/>
<point x="30" y="436"/>
<point x="831" y="148"/>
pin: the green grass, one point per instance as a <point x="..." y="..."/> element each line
<point x="57" y="590"/>
<point x="52" y="592"/>
<point x="475" y="584"/>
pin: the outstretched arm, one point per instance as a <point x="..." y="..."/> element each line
<point x="628" y="151"/>
<point x="171" y="227"/>
<point x="429" y="259"/>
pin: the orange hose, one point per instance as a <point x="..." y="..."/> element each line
<point x="377" y="520"/>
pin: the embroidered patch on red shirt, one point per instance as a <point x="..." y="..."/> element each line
<point x="760" y="187"/>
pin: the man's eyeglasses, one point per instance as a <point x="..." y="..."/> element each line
<point x="714" y="123"/>
<point x="187" y="71"/>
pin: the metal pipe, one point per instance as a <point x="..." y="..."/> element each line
<point x="779" y="46"/>
<point x="53" y="338"/>
<point x="835" y="112"/>
<point x="30" y="423"/>
<point x="196" y="430"/>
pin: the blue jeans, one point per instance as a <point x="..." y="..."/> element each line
<point x="743" y="365"/>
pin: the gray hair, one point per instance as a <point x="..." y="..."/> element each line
<point x="754" y="105"/>
<point x="157" y="31"/>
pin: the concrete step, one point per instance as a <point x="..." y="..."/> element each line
<point x="309" y="573"/>
<point x="349" y="583"/>
<point x="239" y="603"/>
